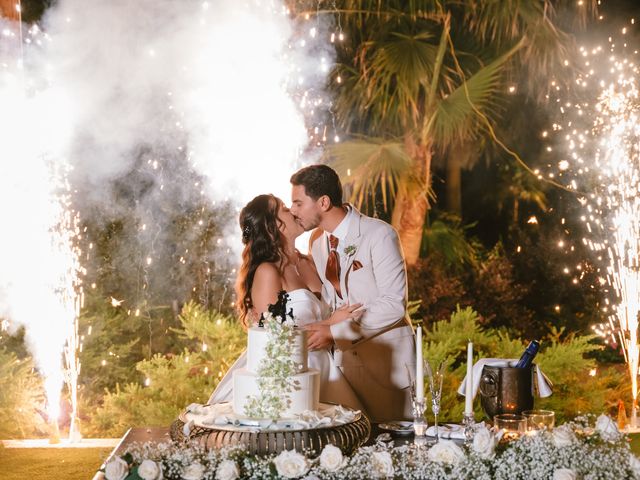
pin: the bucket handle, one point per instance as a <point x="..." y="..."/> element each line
<point x="489" y="384"/>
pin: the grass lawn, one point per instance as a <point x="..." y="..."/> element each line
<point x="51" y="463"/>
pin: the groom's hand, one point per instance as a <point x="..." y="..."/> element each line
<point x="319" y="336"/>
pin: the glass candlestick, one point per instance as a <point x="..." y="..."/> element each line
<point x="468" y="425"/>
<point x="419" y="422"/>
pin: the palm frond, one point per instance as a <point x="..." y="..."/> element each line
<point x="382" y="92"/>
<point x="371" y="167"/>
<point x="451" y="121"/>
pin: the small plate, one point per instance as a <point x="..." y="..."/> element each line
<point x="399" y="427"/>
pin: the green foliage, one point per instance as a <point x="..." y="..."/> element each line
<point x="220" y="337"/>
<point x="174" y="381"/>
<point x="447" y="236"/>
<point x="373" y="168"/>
<point x="485" y="280"/>
<point x="563" y="359"/>
<point x="21" y="397"/>
<point x="115" y="338"/>
<point x="579" y="392"/>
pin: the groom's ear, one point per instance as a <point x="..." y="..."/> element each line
<point x="324" y="202"/>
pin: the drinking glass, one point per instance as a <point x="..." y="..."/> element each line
<point x="435" y="387"/>
<point x="513" y="425"/>
<point x="539" y="419"/>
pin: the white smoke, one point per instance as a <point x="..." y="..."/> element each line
<point x="217" y="68"/>
<point x="123" y="85"/>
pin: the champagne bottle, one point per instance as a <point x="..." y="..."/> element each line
<point x="527" y="357"/>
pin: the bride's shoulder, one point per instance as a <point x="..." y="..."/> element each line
<point x="267" y="271"/>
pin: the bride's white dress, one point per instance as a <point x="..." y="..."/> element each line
<point x="334" y="388"/>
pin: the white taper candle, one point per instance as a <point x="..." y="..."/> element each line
<point x="468" y="389"/>
<point x="419" y="366"/>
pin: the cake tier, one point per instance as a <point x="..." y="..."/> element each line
<point x="305" y="396"/>
<point x="257" y="342"/>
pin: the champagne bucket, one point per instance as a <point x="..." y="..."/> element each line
<point x="506" y="390"/>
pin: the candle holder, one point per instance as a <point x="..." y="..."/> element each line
<point x="419" y="422"/>
<point x="469" y="427"/>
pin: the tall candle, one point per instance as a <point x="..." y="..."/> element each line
<point x="419" y="366"/>
<point x="468" y="389"/>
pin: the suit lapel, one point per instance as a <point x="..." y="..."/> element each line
<point x="352" y="239"/>
<point x="320" y="253"/>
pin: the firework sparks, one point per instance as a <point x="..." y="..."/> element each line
<point x="38" y="282"/>
<point x="601" y="132"/>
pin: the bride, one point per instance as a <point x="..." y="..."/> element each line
<point x="270" y="264"/>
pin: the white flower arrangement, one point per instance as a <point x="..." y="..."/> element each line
<point x="564" y="474"/>
<point x="275" y="375"/>
<point x="485" y="442"/>
<point x="149" y="470"/>
<point x="572" y="451"/>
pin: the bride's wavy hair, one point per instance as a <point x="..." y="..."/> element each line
<point x="263" y="242"/>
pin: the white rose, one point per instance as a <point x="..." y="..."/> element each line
<point x="291" y="464"/>
<point x="116" y="469"/>
<point x="564" y="474"/>
<point x="634" y="463"/>
<point x="149" y="470"/>
<point x="445" y="451"/>
<point x="227" y="470"/>
<point x="195" y="471"/>
<point x="382" y="464"/>
<point x="563" y="436"/>
<point x="484" y="443"/>
<point x="607" y="428"/>
<point x="331" y="458"/>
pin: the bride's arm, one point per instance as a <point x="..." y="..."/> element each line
<point x="345" y="312"/>
<point x="267" y="283"/>
<point x="312" y="279"/>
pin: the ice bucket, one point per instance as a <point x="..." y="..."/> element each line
<point x="506" y="390"/>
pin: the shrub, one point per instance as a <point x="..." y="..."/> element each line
<point x="173" y="381"/>
<point x="563" y="358"/>
<point x="21" y="398"/>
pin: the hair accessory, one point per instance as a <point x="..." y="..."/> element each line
<point x="246" y="233"/>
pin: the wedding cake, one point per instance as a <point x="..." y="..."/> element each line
<point x="274" y="391"/>
<point x="305" y="394"/>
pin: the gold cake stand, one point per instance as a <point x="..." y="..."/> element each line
<point x="348" y="437"/>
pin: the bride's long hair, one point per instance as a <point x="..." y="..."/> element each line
<point x="263" y="242"/>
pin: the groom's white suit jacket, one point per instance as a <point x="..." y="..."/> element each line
<point x="376" y="352"/>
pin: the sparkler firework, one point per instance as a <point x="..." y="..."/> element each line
<point x="39" y="286"/>
<point x="601" y="132"/>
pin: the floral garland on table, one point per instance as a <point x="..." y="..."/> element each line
<point x="570" y="452"/>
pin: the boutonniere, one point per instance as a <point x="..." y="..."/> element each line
<point x="349" y="250"/>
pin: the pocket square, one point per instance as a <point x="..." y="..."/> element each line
<point x="357" y="265"/>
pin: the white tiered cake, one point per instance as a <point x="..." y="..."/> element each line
<point x="305" y="395"/>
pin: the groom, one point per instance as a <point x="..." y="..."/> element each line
<point x="359" y="260"/>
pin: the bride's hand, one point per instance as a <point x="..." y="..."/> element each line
<point x="343" y="313"/>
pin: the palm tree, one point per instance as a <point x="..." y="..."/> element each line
<point x="418" y="78"/>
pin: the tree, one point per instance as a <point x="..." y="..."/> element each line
<point x="422" y="78"/>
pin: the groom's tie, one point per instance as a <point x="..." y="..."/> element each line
<point x="332" y="272"/>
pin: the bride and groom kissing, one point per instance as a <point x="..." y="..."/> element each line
<point x="349" y="293"/>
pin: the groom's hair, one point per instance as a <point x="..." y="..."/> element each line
<point x="319" y="180"/>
